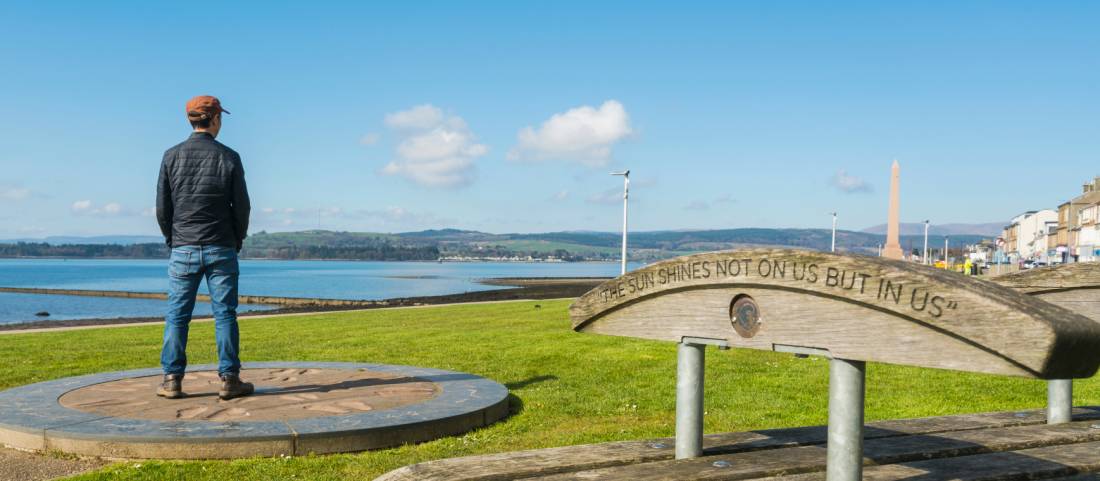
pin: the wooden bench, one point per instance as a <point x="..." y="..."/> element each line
<point x="850" y="310"/>
<point x="1073" y="286"/>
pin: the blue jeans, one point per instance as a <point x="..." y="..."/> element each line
<point x="186" y="268"/>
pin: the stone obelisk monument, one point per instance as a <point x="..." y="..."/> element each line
<point x="892" y="250"/>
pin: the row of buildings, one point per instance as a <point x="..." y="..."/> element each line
<point x="1069" y="234"/>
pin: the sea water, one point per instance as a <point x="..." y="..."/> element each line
<point x="314" y="279"/>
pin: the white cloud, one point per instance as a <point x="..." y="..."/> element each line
<point x="370" y="138"/>
<point x="439" y="143"/>
<point x="560" y="196"/>
<point x="702" y="205"/>
<point x="400" y="217"/>
<point x="421" y="117"/>
<point x="110" y="209"/>
<point x="394" y="213"/>
<point x="81" y="206"/>
<point x="335" y="218"/>
<point x="698" y="205"/>
<point x="14" y="193"/>
<point x="849" y="184"/>
<point x="435" y="150"/>
<point x="583" y="134"/>
<point x="613" y="195"/>
<point x="31" y="231"/>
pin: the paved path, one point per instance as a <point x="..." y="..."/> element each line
<point x="21" y="466"/>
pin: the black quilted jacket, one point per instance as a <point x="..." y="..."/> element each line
<point x="201" y="195"/>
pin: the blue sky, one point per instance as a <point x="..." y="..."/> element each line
<point x="507" y="116"/>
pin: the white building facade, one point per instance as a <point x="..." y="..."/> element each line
<point x="1088" y="235"/>
<point x="1031" y="241"/>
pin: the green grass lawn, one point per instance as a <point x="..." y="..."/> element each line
<point x="568" y="388"/>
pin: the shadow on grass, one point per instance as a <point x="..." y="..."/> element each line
<point x="529" y="381"/>
<point x="515" y="404"/>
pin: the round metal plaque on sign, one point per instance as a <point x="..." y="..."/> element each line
<point x="745" y="316"/>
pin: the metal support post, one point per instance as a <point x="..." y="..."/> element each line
<point x="689" y="400"/>
<point x="924" y="255"/>
<point x="1059" y="401"/>
<point x="832" y="247"/>
<point x="845" y="446"/>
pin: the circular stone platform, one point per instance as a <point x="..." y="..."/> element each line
<point x="298" y="408"/>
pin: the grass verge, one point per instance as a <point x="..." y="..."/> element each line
<point x="569" y="388"/>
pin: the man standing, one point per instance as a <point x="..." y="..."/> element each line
<point x="202" y="208"/>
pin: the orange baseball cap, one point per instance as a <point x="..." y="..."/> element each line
<point x="204" y="106"/>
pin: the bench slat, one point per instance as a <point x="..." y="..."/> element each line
<point x="522" y="464"/>
<point x="956" y="448"/>
<point x="1058" y="463"/>
<point x="1080" y="275"/>
<point x="1080" y="477"/>
<point x="1073" y="286"/>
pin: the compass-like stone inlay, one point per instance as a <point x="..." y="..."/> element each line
<point x="281" y="394"/>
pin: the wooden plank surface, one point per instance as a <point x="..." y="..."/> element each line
<point x="523" y="464"/>
<point x="1085" y="302"/>
<point x="1058" y="463"/>
<point x="1080" y="275"/>
<point x="1073" y="286"/>
<point x="900" y="457"/>
<point x="1079" y="477"/>
<point x="859" y="308"/>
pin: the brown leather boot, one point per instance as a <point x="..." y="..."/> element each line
<point x="232" y="387"/>
<point x="171" y="387"/>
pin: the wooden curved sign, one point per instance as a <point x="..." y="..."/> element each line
<point x="857" y="308"/>
<point x="1073" y="286"/>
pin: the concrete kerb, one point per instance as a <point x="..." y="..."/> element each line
<point x="32" y="419"/>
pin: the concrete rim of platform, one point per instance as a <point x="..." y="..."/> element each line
<point x="31" y="418"/>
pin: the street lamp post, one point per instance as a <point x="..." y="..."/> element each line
<point x="833" y="245"/>
<point x="924" y="256"/>
<point x="945" y="252"/>
<point x="626" y="198"/>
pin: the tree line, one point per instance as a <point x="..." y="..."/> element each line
<point x="42" y="249"/>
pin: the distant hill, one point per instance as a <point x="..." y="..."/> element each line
<point x="988" y="229"/>
<point x="455" y="244"/>
<point x="589" y="245"/>
<point x="323" y="244"/>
